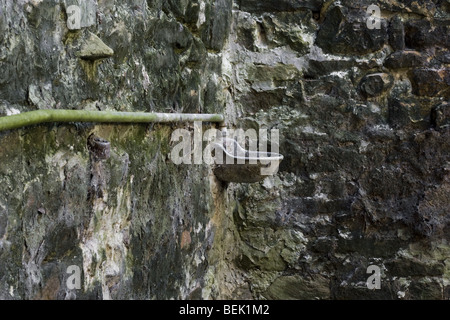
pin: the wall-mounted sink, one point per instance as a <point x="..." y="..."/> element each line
<point x="243" y="166"/>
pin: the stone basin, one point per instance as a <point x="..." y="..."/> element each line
<point x="244" y="166"/>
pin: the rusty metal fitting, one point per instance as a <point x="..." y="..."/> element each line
<point x="99" y="147"/>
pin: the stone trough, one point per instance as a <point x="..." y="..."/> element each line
<point x="243" y="166"/>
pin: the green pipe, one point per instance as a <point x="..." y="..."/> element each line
<point x="44" y="116"/>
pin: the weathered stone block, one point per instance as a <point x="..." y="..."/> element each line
<point x="403" y="112"/>
<point x="440" y="115"/>
<point x="279" y="72"/>
<point x="420" y="34"/>
<point x="289" y="28"/>
<point x="431" y="82"/>
<point x="93" y="48"/>
<point x="345" y="32"/>
<point x="375" y="84"/>
<point x="217" y="24"/>
<point x="396" y="33"/>
<point x="296" y="287"/>
<point x="425" y="289"/>
<point x="407" y="267"/>
<point x="317" y="68"/>
<point x="405" y="59"/>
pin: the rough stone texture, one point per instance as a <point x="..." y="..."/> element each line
<point x="136" y="224"/>
<point x="431" y="82"/>
<point x="344" y="31"/>
<point x="364" y="130"/>
<point x="375" y="84"/>
<point x="396" y="33"/>
<point x="405" y="59"/>
<point x="94" y="49"/>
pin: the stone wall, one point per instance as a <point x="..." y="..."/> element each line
<point x="363" y="116"/>
<point x="137" y="225"/>
<point x="363" y="121"/>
